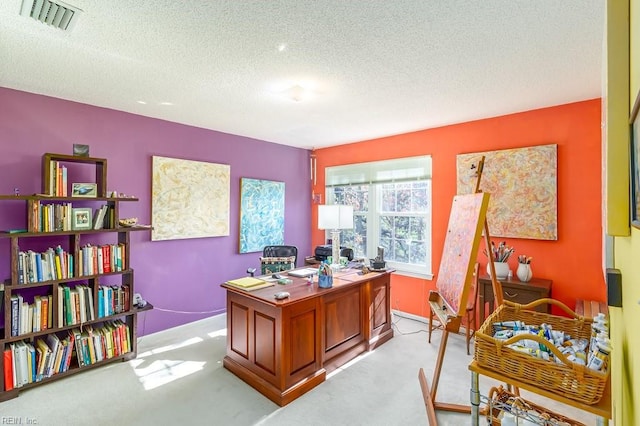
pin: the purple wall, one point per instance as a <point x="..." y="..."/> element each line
<point x="175" y="275"/>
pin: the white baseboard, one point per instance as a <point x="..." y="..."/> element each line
<point x="417" y="317"/>
<point x="410" y="316"/>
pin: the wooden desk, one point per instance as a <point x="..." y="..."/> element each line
<point x="513" y="290"/>
<point x="284" y="348"/>
<point x="602" y="409"/>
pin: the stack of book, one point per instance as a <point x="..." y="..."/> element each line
<point x="249" y="283"/>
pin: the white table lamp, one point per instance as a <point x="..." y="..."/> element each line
<point x="335" y="217"/>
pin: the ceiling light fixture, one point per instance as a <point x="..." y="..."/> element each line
<point x="166" y="103"/>
<point x="282" y="47"/>
<point x="295" y="90"/>
<point x="296" y="93"/>
<point x="142" y="102"/>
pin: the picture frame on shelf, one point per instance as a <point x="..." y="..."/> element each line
<point x="634" y="169"/>
<point x="81" y="219"/>
<point x="86" y="190"/>
<point x="80" y="150"/>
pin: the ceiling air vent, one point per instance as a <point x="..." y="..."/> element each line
<point x="55" y="13"/>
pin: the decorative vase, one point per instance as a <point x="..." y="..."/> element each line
<point x="524" y="272"/>
<point x="502" y="269"/>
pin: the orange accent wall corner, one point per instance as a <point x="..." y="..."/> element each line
<point x="574" y="261"/>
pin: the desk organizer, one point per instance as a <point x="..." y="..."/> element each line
<point x="325" y="281"/>
<point x="576" y="382"/>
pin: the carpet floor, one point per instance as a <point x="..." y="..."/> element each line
<point x="178" y="378"/>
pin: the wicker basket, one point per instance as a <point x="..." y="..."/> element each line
<point x="502" y="400"/>
<point x="566" y="378"/>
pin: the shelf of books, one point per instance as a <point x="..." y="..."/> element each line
<point x="67" y="305"/>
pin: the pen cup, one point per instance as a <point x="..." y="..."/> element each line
<point x="325" y="281"/>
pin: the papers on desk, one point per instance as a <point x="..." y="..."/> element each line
<point x="302" y="273"/>
<point x="249" y="283"/>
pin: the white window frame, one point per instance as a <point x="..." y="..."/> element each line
<point x="374" y="174"/>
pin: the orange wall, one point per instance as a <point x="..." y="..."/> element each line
<point x="574" y="261"/>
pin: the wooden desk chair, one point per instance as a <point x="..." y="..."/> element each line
<point x="470" y="322"/>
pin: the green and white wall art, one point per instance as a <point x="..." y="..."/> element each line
<point x="261" y="214"/>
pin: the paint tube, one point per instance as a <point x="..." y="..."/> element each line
<point x="508" y="324"/>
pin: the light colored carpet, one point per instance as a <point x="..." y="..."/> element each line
<point x="178" y="378"/>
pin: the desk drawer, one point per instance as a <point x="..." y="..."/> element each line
<point x="523" y="297"/>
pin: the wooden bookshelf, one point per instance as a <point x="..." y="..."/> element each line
<point x="114" y="321"/>
<point x="48" y="163"/>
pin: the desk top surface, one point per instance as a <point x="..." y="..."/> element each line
<point x="300" y="288"/>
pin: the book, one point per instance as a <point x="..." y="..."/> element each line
<point x="44" y="357"/>
<point x="54" y="344"/>
<point x="15" y="316"/>
<point x="246" y="282"/>
<point x="106" y="258"/>
<point x="70" y="346"/>
<point x="127" y="297"/>
<point x="40" y="355"/>
<point x="37" y="259"/>
<point x="58" y="268"/>
<point x="23" y="315"/>
<point x="44" y="313"/>
<point x="37" y="313"/>
<point x="79" y="351"/>
<point x="75" y="305"/>
<point x="30" y="308"/>
<point x="89" y="303"/>
<point x="23" y="363"/>
<point x="49" y="311"/>
<point x="68" y="312"/>
<point x="8" y="369"/>
<point x="32" y="362"/>
<point x="100" y="302"/>
<point x="98" y="222"/>
<point x="21" y="272"/>
<point x="100" y="260"/>
<point x="14" y="366"/>
<point x="255" y="287"/>
<point x="61" y="322"/>
<point x="15" y="231"/>
<point x="81" y="305"/>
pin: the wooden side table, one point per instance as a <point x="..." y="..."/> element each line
<point x="514" y="290"/>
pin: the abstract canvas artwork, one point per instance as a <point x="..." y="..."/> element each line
<point x="190" y="199"/>
<point x="261" y="214"/>
<point x="523" y="187"/>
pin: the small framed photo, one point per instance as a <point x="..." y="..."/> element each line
<point x="87" y="190"/>
<point x="81" y="219"/>
<point x="80" y="150"/>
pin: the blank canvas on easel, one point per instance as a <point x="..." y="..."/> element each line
<point x="461" y="249"/>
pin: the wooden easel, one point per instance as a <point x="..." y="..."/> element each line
<point x="497" y="285"/>
<point x="451" y="323"/>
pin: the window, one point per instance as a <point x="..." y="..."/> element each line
<point x="392" y="209"/>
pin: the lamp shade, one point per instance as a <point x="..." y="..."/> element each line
<point x="335" y="216"/>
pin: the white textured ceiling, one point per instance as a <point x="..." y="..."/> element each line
<point x="377" y="67"/>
